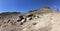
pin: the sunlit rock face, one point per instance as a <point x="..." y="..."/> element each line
<point x="39" y="20"/>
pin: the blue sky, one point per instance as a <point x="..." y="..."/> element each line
<point x="26" y="5"/>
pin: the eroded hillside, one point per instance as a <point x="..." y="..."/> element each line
<point x="39" y="20"/>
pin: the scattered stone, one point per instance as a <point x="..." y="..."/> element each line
<point x="21" y="18"/>
<point x="34" y="23"/>
<point x="30" y="15"/>
<point x="30" y="18"/>
<point x="8" y="21"/>
<point x="37" y="16"/>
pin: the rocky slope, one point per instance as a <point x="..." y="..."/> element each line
<point x="39" y="20"/>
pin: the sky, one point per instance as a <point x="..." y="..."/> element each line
<point x="27" y="5"/>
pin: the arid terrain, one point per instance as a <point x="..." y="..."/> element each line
<point x="43" y="19"/>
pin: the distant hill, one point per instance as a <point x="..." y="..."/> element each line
<point x="45" y="9"/>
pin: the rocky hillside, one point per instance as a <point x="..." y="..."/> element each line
<point x="43" y="19"/>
